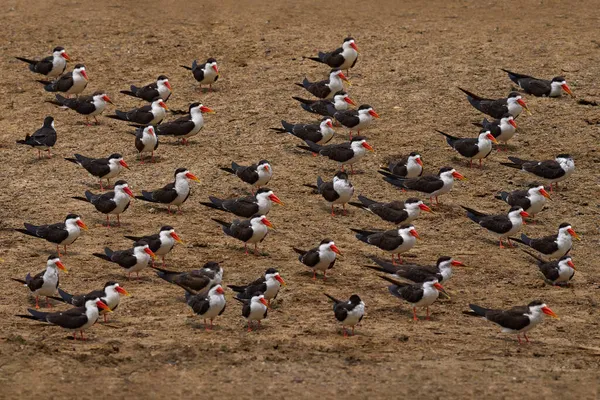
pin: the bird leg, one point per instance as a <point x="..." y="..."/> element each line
<point x="399" y="259"/>
<point x="96" y="119"/>
<point x="526" y="338"/>
<point x="209" y="87"/>
<point x="49" y="154"/>
<point x="129" y="276"/>
<point x="428" y="317"/>
<point x="480" y="165"/>
<point x="75" y="335"/>
<point x="82" y="338"/>
<point x="105" y="321"/>
<point x="137" y="276"/>
<point x="152" y="157"/>
<point x="519" y="339"/>
<point x="57" y="250"/>
<point x="65" y="246"/>
<point x="314" y="275"/>
<point x="246" y="248"/>
<point x="501" y="245"/>
<point x="255" y="249"/>
<point x="48" y="302"/>
<point x="393" y="262"/>
<point x="344" y="207"/>
<point x="249" y="327"/>
<point x="352" y="169"/>
<point x="179" y="210"/>
<point x="509" y="242"/>
<point x="415" y="314"/>
<point x="332" y="212"/>
<point x="471" y="163"/>
<point x="119" y="220"/>
<point x="107" y="221"/>
<point x="37" y="304"/>
<point x="101" y="187"/>
<point x="342" y="167"/>
<point x="350" y="135"/>
<point x="163" y="257"/>
<point x="352" y="330"/>
<point x="344" y="330"/>
<point x="325" y="275"/>
<point x="169" y="209"/>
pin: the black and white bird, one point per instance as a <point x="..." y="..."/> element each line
<point x="503" y="129"/>
<point x="338" y="191"/>
<point x="61" y="234"/>
<point x="46" y="282"/>
<point x="557" y="272"/>
<point x="396" y="212"/>
<point x="199" y="280"/>
<point x="531" y="200"/>
<point x="150" y="114"/>
<point x="101" y="168"/>
<point x="268" y="284"/>
<point x="347" y="153"/>
<point x="73" y="82"/>
<point x="131" y="260"/>
<point x="327" y="107"/>
<point x="114" y="202"/>
<point x="501" y="225"/>
<point x="254" y="309"/>
<point x="471" y="148"/>
<point x="161" y="88"/>
<point x="419" y="295"/>
<point x="327" y="88"/>
<point x="320" y="133"/>
<point x="341" y="58"/>
<point x="355" y="120"/>
<point x="540" y="87"/>
<point x="246" y="206"/>
<point x="146" y="141"/>
<point x="519" y="319"/>
<point x="252" y="230"/>
<point x="256" y="174"/>
<point x="185" y="127"/>
<point x="52" y="66"/>
<point x="89" y="106"/>
<point x="207" y="306"/>
<point x="160" y="243"/>
<point x="410" y="166"/>
<point x="394" y="241"/>
<point x="74" y="319"/>
<point x="42" y="139"/>
<point x="442" y="270"/>
<point x="553" y="171"/>
<point x="320" y="258"/>
<point x="206" y="73"/>
<point x="496" y="108"/>
<point x="174" y="193"/>
<point x="552" y="246"/>
<point x="349" y="313"/>
<point x="432" y="185"/>
<point x="110" y="295"/>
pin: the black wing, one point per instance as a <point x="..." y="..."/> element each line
<point x="549" y="169"/>
<point x="179" y="127"/>
<point x="348" y="118"/>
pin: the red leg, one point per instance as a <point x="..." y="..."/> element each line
<point x="471" y="164"/>
<point x="37" y="303"/>
<point x="351" y="135"/>
<point x="415" y="314"/>
<point x="105" y="318"/>
<point x="75" y="335"/>
<point x="169" y="209"/>
<point x="57" y="250"/>
<point x="353" y="331"/>
<point x="501" y="245"/>
<point x="400" y="261"/>
<point x="393" y="262"/>
<point x="526" y="338"/>
<point x="518" y="338"/>
<point x="249" y="327"/>
<point x="65" y="246"/>
<point x="344" y="207"/>
<point x="118" y="220"/>
<point x="345" y="332"/>
<point x="314" y="275"/>
<point x="96" y="119"/>
<point x="325" y="275"/>
<point x="163" y="257"/>
<point x="352" y="169"/>
<point x="179" y="210"/>
<point x="49" y="154"/>
<point x="509" y="242"/>
<point x="480" y="165"/>
<point x="152" y="157"/>
<point x="107" y="221"/>
<point x="332" y="212"/>
<point x="129" y="276"/>
<point x="137" y="275"/>
<point x="342" y="167"/>
<point x="428" y="317"/>
<point x="39" y="155"/>
<point x="246" y="248"/>
<point x="255" y="249"/>
<point x="436" y="201"/>
<point x="101" y="188"/>
<point x="48" y="302"/>
<point x="82" y="337"/>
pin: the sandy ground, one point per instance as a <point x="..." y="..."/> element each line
<point x="412" y="58"/>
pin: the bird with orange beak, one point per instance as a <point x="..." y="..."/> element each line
<point x="52" y="66"/>
<point x="432" y="185"/>
<point x="356" y="119"/>
<point x="173" y="194"/>
<point x="327" y="88"/>
<point x="70" y="83"/>
<point x="161" y="88"/>
<point x="347" y="153"/>
<point x="246" y="206"/>
<point x="207" y="306"/>
<point x="472" y="148"/>
<point x="110" y="295"/>
<point x="531" y="200"/>
<point x="519" y="319"/>
<point x="161" y="243"/>
<point x="101" y="168"/>
<point x="395" y="241"/>
<point x="500" y="225"/>
<point x="496" y="108"/>
<point x="257" y="175"/>
<point x="61" y="234"/>
<point x="540" y="87"/>
<point x="320" y="258"/>
<point x="418" y="295"/>
<point x="254" y="309"/>
<point x="205" y="74"/>
<point x="88" y="106"/>
<point x="114" y="202"/>
<point x="552" y="246"/>
<point x="151" y="114"/>
<point x="131" y="260"/>
<point x="185" y="127"/>
<point x="46" y="282"/>
<point x="268" y="284"/>
<point x="344" y="57"/>
<point x="250" y="231"/>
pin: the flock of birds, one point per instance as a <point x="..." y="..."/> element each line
<point x="418" y="285"/>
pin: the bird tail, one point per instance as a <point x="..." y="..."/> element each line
<point x="540" y="260"/>
<point x="73" y="160"/>
<point x="366" y="201"/>
<point x="449" y="138"/>
<point x="215" y="202"/>
<point x="473" y="215"/>
<point x="311" y="146"/>
<point x="146" y="196"/>
<point x="278" y="130"/>
<point x="375" y="268"/>
<point x="386" y="266"/>
<point x="303" y="101"/>
<point x="502" y="196"/>
<point x="237" y="289"/>
<point x="470" y="94"/>
<point x="48" y="86"/>
<point x="27" y="60"/>
<point x="234" y="167"/>
<point x="165" y="274"/>
<point x="186" y="67"/>
<point x="336" y="301"/>
<point x="299" y="251"/>
<point x="128" y="92"/>
<point x="134" y="238"/>
<point x="102" y="256"/>
<point x="359" y="205"/>
<point x="29" y="230"/>
<point x="19" y="280"/>
<point x="513" y="75"/>
<point x="517" y="161"/>
<point x="526" y="240"/>
<point x="394" y="180"/>
<point x="26" y="141"/>
<point x="226" y="226"/>
<point x="317" y="59"/>
<point x="287" y="127"/>
<point x="362" y="235"/>
<point x="64" y="296"/>
<point x="477" y="311"/>
<point x="80" y="198"/>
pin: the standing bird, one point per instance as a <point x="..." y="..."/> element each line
<point x="114" y="202"/>
<point x="206" y="73"/>
<point x="531" y="200"/>
<point x="338" y="191"/>
<point x="442" y="270"/>
<point x="320" y="133"/>
<point x="61" y="234"/>
<point x="519" y="319"/>
<point x="347" y="153"/>
<point x="416" y="294"/>
<point x="131" y="260"/>
<point x="109" y="295"/>
<point x="174" y="193"/>
<point x="320" y="258"/>
<point x="471" y="148"/>
<point x="410" y="166"/>
<point x="268" y="284"/>
<point x="254" y="309"/>
<point x="42" y="139"/>
<point x="90" y="106"/>
<point x="246" y="207"/>
<point x="501" y="225"/>
<point x="558" y="272"/>
<point x="356" y="119"/>
<point x="70" y="83"/>
<point x="207" y="306"/>
<point x="554" y="171"/>
<point x="150" y="114"/>
<point x="185" y="127"/>
<point x="552" y="246"/>
<point x="146" y="141"/>
<point x="502" y="129"/>
<point x="540" y="87"/>
<point x="252" y="230"/>
<point x="395" y="211"/>
<point x="160" y="243"/>
<point x="328" y="88"/>
<point x="395" y="241"/>
<point x="327" y="107"/>
<point x="341" y="58"/>
<point x="74" y="319"/>
<point x="256" y="174"/>
<point x="199" y="280"/>
<point x="52" y="66"/>
<point x="46" y="282"/>
<point x="101" y="168"/>
<point x="496" y="108"/>
<point x="349" y="313"/>
<point x="432" y="185"/>
<point x="161" y="88"/>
